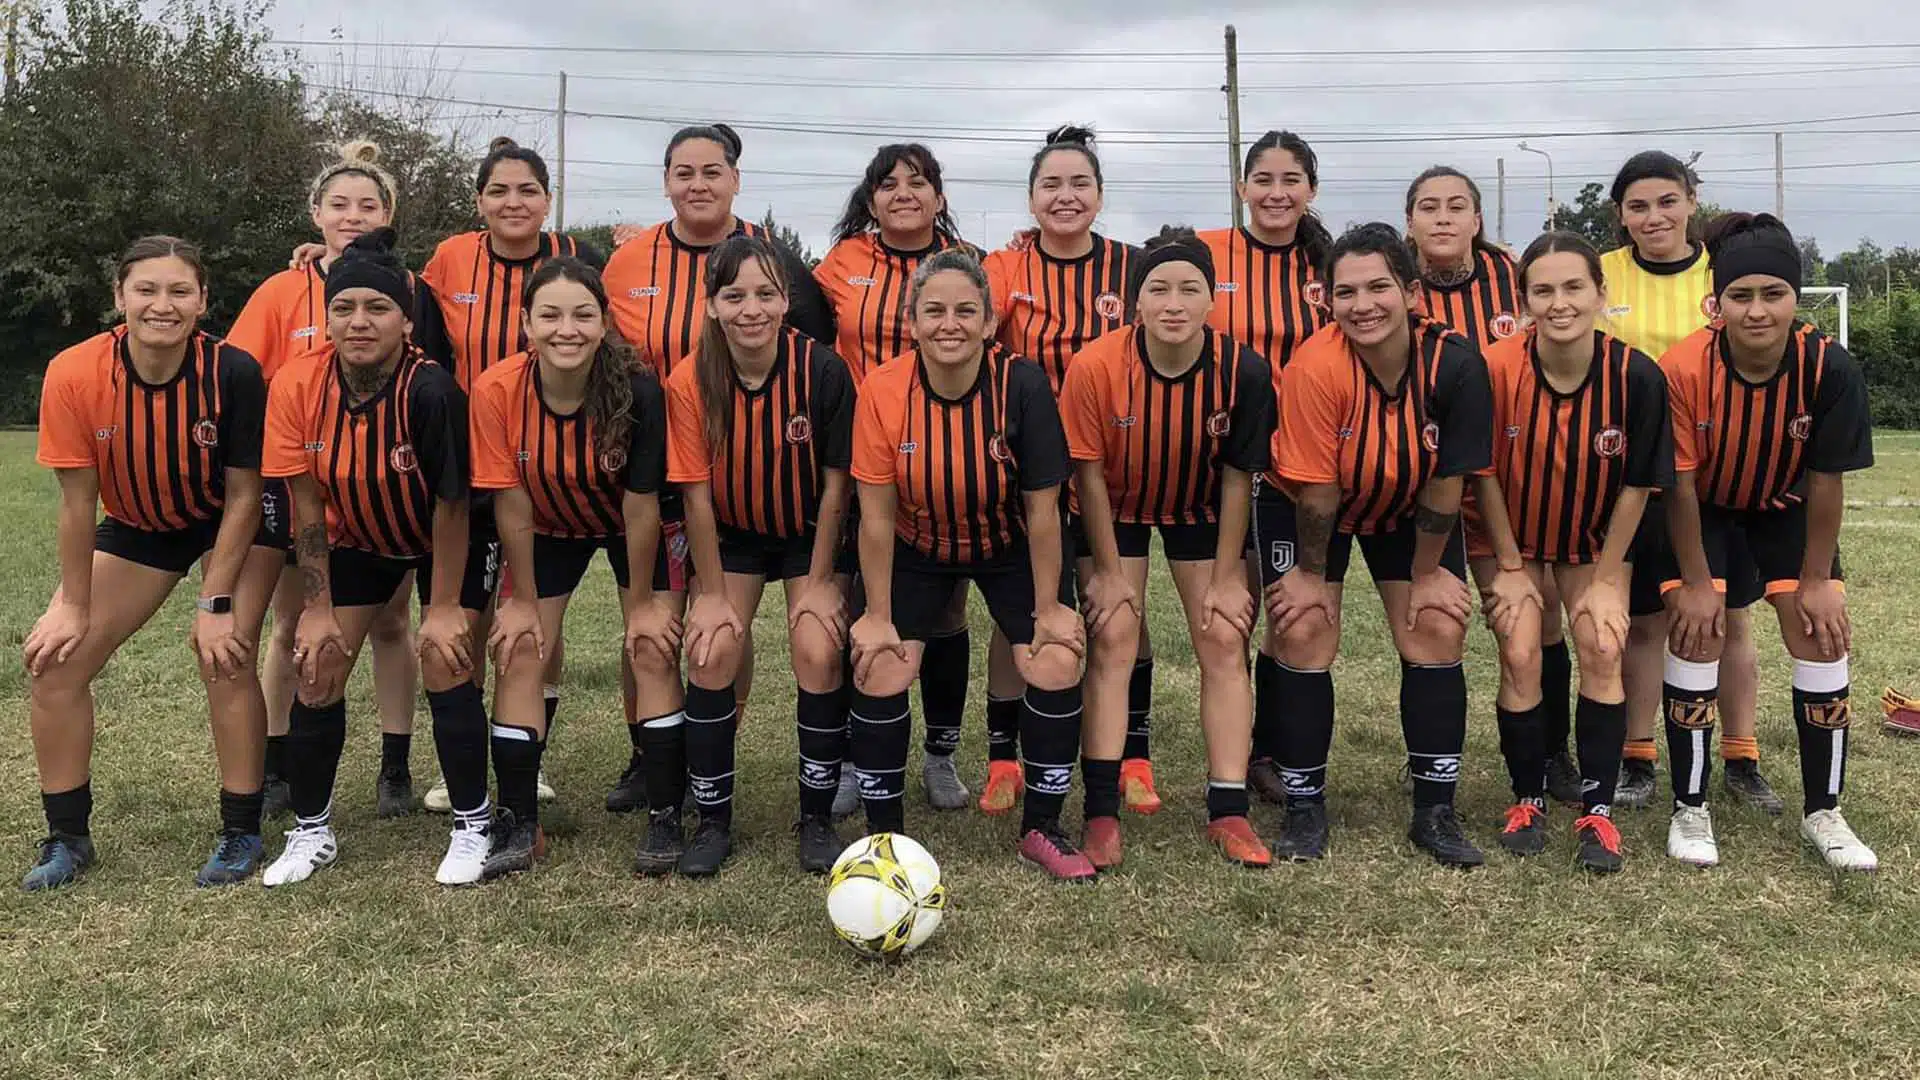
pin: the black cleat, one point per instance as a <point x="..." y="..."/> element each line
<point x="515" y="845"/>
<point x="1563" y="779"/>
<point x="1263" y="776"/>
<point x="276" y="797"/>
<point x="1635" y="789"/>
<point x="1436" y="831"/>
<point x="820" y="844"/>
<point x="707" y="853"/>
<point x="1742" y="777"/>
<point x="395" y="792"/>
<point x="1303" y="832"/>
<point x="630" y="791"/>
<point x="661" y="848"/>
<point x="1599" y="845"/>
<point x="1525" y="829"/>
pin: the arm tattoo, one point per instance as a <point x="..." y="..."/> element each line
<point x="312" y="545"/>
<point x="1433" y="522"/>
<point x="1315" y="533"/>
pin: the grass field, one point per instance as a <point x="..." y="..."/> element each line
<point x="1372" y="963"/>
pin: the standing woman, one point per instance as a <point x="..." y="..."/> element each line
<point x="1052" y="296"/>
<point x="1659" y="291"/>
<point x="960" y="457"/>
<point x="762" y="420"/>
<point x="895" y="218"/>
<point x="372" y="439"/>
<point x="570" y="437"/>
<point x="1269" y="296"/>
<point x="286" y="318"/>
<point x="1168" y="422"/>
<point x="159" y="424"/>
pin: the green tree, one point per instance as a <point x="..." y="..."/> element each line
<point x="790" y="238"/>
<point x="1591" y="216"/>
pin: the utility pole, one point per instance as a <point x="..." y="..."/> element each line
<point x="560" y="193"/>
<point x="1780" y="176"/>
<point x="13" y="44"/>
<point x="1500" y="200"/>
<point x="1232" y="89"/>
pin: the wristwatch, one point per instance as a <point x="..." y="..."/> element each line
<point x="215" y="605"/>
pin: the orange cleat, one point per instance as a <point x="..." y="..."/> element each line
<point x="1004" y="784"/>
<point x="1235" y="838"/>
<point x="1100" y="842"/>
<point x="1136" y="786"/>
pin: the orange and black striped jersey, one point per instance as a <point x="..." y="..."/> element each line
<point x="657" y="285"/>
<point x="783" y="436"/>
<point x="381" y="463"/>
<point x="1750" y="445"/>
<point x="960" y="467"/>
<point x="470" y="313"/>
<point x="867" y="283"/>
<point x="1050" y="308"/>
<point x="576" y="489"/>
<point x="285" y="319"/>
<point x="1339" y="425"/>
<point x="1162" y="440"/>
<point x="1562" y="459"/>
<point x="161" y="449"/>
<point x="1267" y="297"/>
<point x="1484" y="308"/>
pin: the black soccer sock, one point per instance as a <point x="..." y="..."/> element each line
<point x="1433" y="720"/>
<point x="1692" y="700"/>
<point x="663" y="761"/>
<point x="240" y="813"/>
<point x="276" y="757"/>
<point x="1050" y="738"/>
<point x="1140" y="709"/>
<point x="1523" y="744"/>
<point x="1303" y="736"/>
<point x="636" y="736"/>
<point x="69" y="812"/>
<point x="315" y="738"/>
<point x="394" y="750"/>
<point x="1102" y="778"/>
<point x="943" y="689"/>
<point x="550" y="699"/>
<point x="1267" y="707"/>
<point x="516" y="764"/>
<point x="1822" y="716"/>
<point x="823" y="738"/>
<point x="1556" y="686"/>
<point x="882" y="730"/>
<point x="460" y="740"/>
<point x="712" y="719"/>
<point x="1003" y="728"/>
<point x="1226" y="799"/>
<point x="1601" y="731"/>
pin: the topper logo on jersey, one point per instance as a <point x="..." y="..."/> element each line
<point x="862" y="282"/>
<point x="523" y="456"/>
<point x="909" y="447"/>
<point x="305" y="332"/>
<point x="1513" y="431"/>
<point x="1125" y="421"/>
<point x="1315" y="293"/>
<point x="1219" y="424"/>
<point x="1227" y="287"/>
<point x="403" y="459"/>
<point x="1504" y="325"/>
<point x="1800" y="427"/>
<point x="998" y="449"/>
<point x="799" y="430"/>
<point x="1020" y="297"/>
<point x="466" y="298"/>
<point x="1430" y="438"/>
<point x="1610" y="442"/>
<point x="105" y="433"/>
<point x="613" y="459"/>
<point x="1109" y="305"/>
<point x="318" y="446"/>
<point x="207" y="434"/>
<point x="643" y="292"/>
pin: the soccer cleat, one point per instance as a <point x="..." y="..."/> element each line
<point x="307" y="850"/>
<point x="1635" y="788"/>
<point x="514" y="847"/>
<point x="1563" y="778"/>
<point x="1263" y="776"/>
<point x="942" y="782"/>
<point x="1525" y="832"/>
<point x="660" y="850"/>
<point x="630" y="791"/>
<point x="1830" y="835"/>
<point x="63" y="859"/>
<point x="1599" y="844"/>
<point x="1136" y="786"/>
<point x="1902" y="712"/>
<point x="542" y="790"/>
<point x="820" y="844"/>
<point x="846" y="797"/>
<point x="276" y="797"/>
<point x="1237" y="841"/>
<point x="1303" y="831"/>
<point x="708" y="851"/>
<point x="234" y="860"/>
<point x="466" y="858"/>
<point x="437" y="799"/>
<point x="1742" y="777"/>
<point x="1005" y="782"/>
<point x="1436" y="831"/>
<point x="1050" y="850"/>
<point x="1690" y="836"/>
<point x="1100" y="842"/>
<point x="395" y="795"/>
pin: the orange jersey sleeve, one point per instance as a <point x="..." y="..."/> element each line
<point x="1313" y="400"/>
<point x="291" y="409"/>
<point x="1685" y="367"/>
<point x="491" y="424"/>
<point x="878" y="418"/>
<point x="1086" y="398"/>
<point x="689" y="460"/>
<point x="71" y="399"/>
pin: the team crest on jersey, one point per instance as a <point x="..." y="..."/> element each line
<point x="1219" y="424"/>
<point x="863" y="282"/>
<point x="799" y="430"/>
<point x="998" y="449"/>
<point x="613" y="459"/>
<point x="466" y="298"/>
<point x="1430" y="438"/>
<point x="643" y="292"/>
<point x="1109" y="305"/>
<point x="1316" y="294"/>
<point x="1227" y="287"/>
<point x="207" y="434"/>
<point x="1610" y="442"/>
<point x="1504" y="325"/>
<point x="403" y="459"/>
<point x="1800" y="427"/>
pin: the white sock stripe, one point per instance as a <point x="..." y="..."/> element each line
<point x="1300" y="670"/>
<point x="1047" y="765"/>
<point x="550" y="692"/>
<point x="1695" y="676"/>
<point x="1051" y="716"/>
<point x="1837" y="767"/>
<point x="839" y="729"/>
<point x="1227" y="785"/>
<point x="516" y="734"/>
<point x="731" y="713"/>
<point x="661" y="723"/>
<point x="858" y="719"/>
<point x="829" y="762"/>
<point x="1435" y="667"/>
<point x="1695" y="780"/>
<point x="991" y="698"/>
<point x="701" y="779"/>
<point x="1815" y="677"/>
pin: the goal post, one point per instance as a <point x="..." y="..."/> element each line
<point x="1814" y="300"/>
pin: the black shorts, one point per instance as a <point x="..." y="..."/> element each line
<point x="1389" y="553"/>
<point x="1180" y="543"/>
<point x="363" y="579"/>
<point x="923" y="591"/>
<point x="775" y="558"/>
<point x="173" y="551"/>
<point x="1654" y="565"/>
<point x="560" y="562"/>
<point x="276" y="519"/>
<point x="1765" y="547"/>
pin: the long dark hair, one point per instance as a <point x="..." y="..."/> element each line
<point x="609" y="402"/>
<point x="505" y="149"/>
<point x="1312" y="236"/>
<point x="1068" y="137"/>
<point x="1480" y="241"/>
<point x="1559" y="242"/>
<point x="1374" y="238"/>
<point x="858" y="220"/>
<point x="713" y="360"/>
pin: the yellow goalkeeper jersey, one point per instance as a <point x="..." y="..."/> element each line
<point x="1654" y="306"/>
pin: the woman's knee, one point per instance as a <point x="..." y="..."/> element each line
<point x="1436" y="641"/>
<point x="1220" y="649"/>
<point x="1054" y="667"/>
<point x="886" y="676"/>
<point x="389" y="628"/>
<point x="1117" y="642"/>
<point x="816" y="660"/>
<point x="1308" y="645"/>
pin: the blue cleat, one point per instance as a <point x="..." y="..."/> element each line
<point x="234" y="860"/>
<point x="63" y="859"/>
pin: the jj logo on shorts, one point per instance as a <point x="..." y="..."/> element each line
<point x="1280" y="556"/>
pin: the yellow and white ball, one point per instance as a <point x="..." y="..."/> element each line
<point x="884" y="895"/>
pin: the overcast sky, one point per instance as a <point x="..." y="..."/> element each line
<point x="969" y="79"/>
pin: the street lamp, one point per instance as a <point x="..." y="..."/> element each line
<point x="1551" y="206"/>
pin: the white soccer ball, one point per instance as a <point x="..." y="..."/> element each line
<point x="884" y="895"/>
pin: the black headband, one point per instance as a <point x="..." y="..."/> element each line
<point x="1764" y="254"/>
<point x="1190" y="249"/>
<point x="369" y="263"/>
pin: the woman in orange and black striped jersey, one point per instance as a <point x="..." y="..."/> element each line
<point x="286" y="318"/>
<point x="1056" y="288"/>
<point x="570" y="436"/>
<point x="762" y="423"/>
<point x="895" y="218"/>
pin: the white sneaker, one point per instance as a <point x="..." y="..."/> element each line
<point x="307" y="850"/>
<point x="1690" y="837"/>
<point x="437" y="800"/>
<point x="542" y="790"/>
<point x="466" y="857"/>
<point x="1830" y="835"/>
